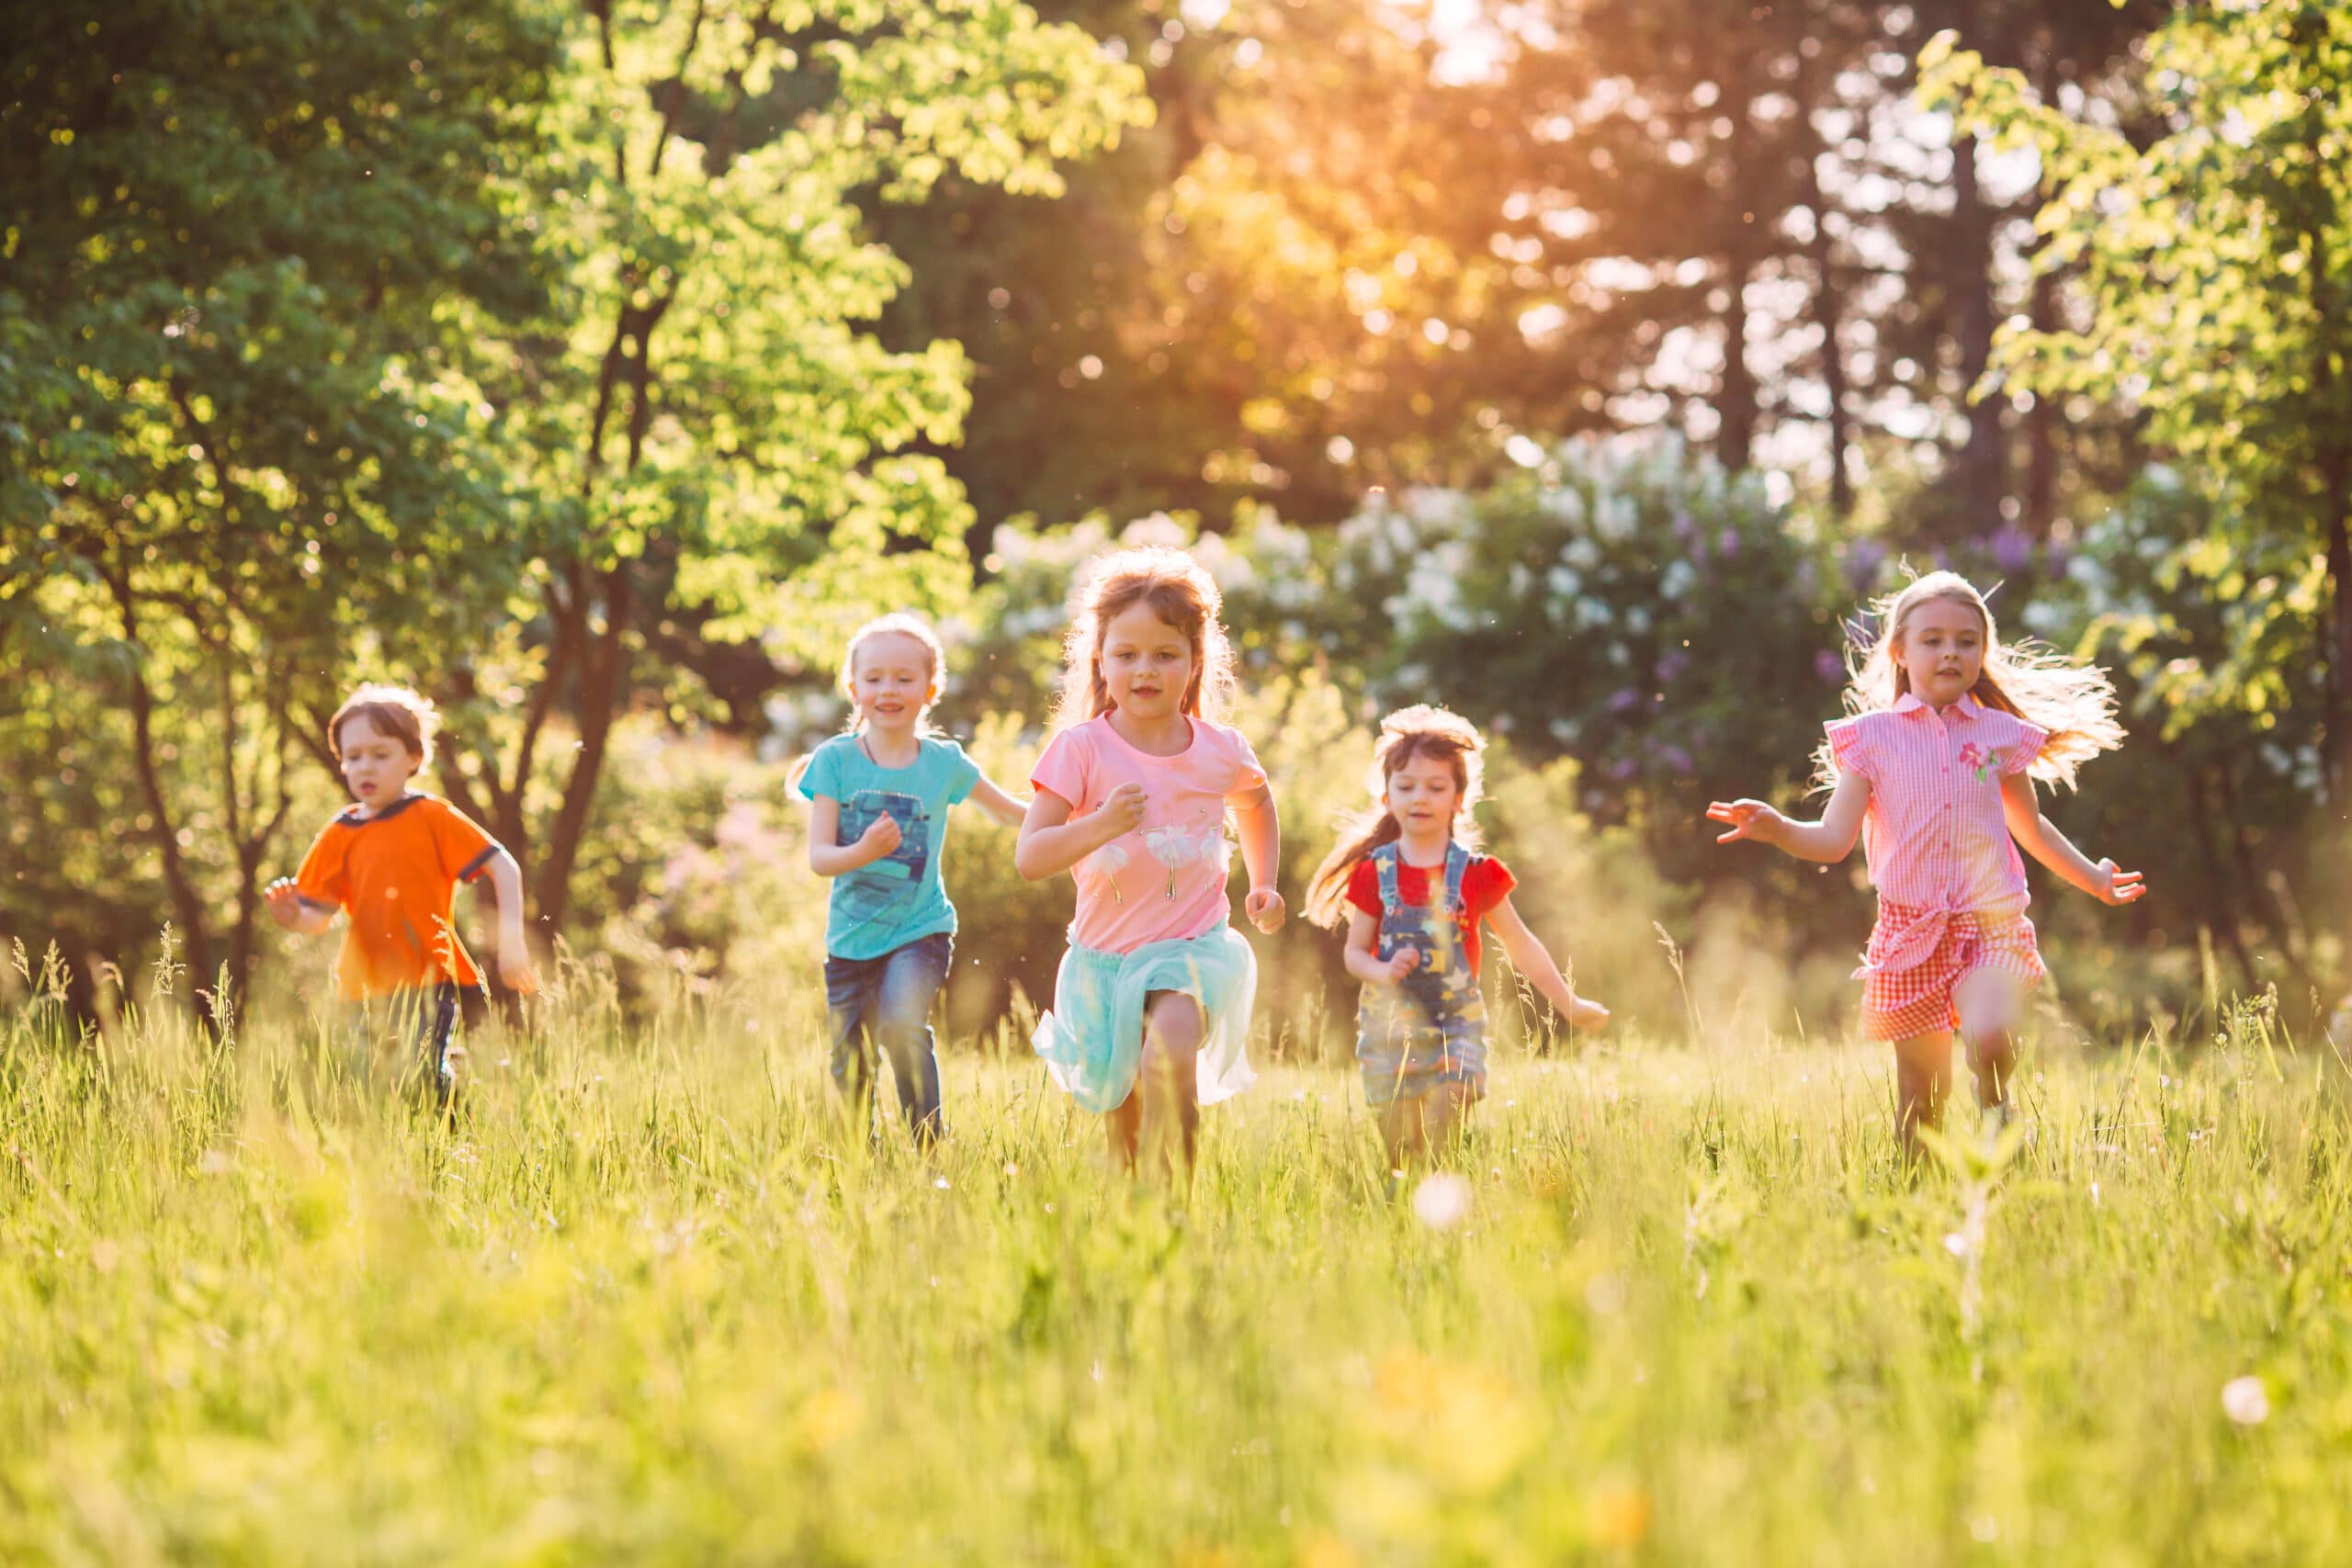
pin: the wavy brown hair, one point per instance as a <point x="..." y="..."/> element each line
<point x="2074" y="701"/>
<point x="1181" y="594"/>
<point x="1418" y="731"/>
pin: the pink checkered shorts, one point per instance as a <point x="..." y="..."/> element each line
<point x="1906" y="992"/>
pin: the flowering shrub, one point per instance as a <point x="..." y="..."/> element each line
<point x="1624" y="602"/>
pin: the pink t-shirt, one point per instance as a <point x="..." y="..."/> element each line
<point x="1935" y="835"/>
<point x="1165" y="880"/>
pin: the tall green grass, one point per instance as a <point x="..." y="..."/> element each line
<point x="650" y="1299"/>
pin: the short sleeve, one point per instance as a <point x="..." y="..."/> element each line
<point x="1850" y="745"/>
<point x="1066" y="767"/>
<point x="321" y="881"/>
<point x="2020" y="754"/>
<point x="464" y="847"/>
<point x="824" y="774"/>
<point x="1486" y="884"/>
<point x="1248" y="776"/>
<point x="960" y="771"/>
<point x="1363" y="887"/>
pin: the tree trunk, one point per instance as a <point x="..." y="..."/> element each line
<point x="601" y="687"/>
<point x="2043" y="451"/>
<point x="1981" y="476"/>
<point x="188" y="904"/>
<point x="1829" y="312"/>
<point x="1735" y="393"/>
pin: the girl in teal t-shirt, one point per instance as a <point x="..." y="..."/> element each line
<point x="878" y="797"/>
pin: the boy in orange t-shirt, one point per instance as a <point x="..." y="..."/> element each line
<point x="391" y="862"/>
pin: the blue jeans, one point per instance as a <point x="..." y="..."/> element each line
<point x="404" y="1041"/>
<point x="886" y="1002"/>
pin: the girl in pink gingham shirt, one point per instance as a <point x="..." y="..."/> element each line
<point x="1935" y="769"/>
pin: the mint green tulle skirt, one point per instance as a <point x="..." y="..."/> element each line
<point x="1093" y="1041"/>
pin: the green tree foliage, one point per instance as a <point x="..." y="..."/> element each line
<point x="230" y="234"/>
<point x="1262" y="295"/>
<point x="711" y="442"/>
<point x="2216" y="265"/>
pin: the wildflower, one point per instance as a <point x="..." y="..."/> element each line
<point x="1442" y="1201"/>
<point x="2245" y="1401"/>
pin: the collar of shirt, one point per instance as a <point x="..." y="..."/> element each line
<point x="1967" y="708"/>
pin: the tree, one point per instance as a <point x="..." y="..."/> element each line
<point x="2217" y="264"/>
<point x="230" y="228"/>
<point x="704" y="431"/>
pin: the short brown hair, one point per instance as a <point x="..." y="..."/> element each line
<point x="406" y="716"/>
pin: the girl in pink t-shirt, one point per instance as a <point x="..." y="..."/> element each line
<point x="1949" y="731"/>
<point x="1132" y="798"/>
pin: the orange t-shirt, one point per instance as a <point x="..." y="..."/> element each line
<point x="395" y="875"/>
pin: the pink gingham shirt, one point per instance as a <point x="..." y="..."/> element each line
<point x="1937" y="840"/>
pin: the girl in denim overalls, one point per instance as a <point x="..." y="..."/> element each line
<point x="1414" y="892"/>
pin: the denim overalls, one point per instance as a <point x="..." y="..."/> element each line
<point x="1429" y="1027"/>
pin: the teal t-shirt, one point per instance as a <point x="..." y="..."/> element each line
<point x="892" y="901"/>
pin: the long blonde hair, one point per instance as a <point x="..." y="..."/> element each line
<point x="1181" y="594"/>
<point x="2075" y="702"/>
<point x="898" y="623"/>
<point x="1417" y="731"/>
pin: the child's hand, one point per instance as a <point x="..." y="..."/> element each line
<point x="1749" y="819"/>
<point x="285" y="903"/>
<point x="1266" y="909"/>
<point x="1121" y="811"/>
<point x="1587" y="1017"/>
<point x="2113" y="886"/>
<point x="1408" y="959"/>
<point x="514" y="969"/>
<point x="881" y="837"/>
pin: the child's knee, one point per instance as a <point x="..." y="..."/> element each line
<point x="1174" y="1024"/>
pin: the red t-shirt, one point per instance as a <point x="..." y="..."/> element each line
<point x="1485" y="884"/>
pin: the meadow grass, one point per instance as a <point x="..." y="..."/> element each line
<point x="651" y="1300"/>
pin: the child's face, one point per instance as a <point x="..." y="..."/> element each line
<point x="1942" y="649"/>
<point x="1146" y="663"/>
<point x="891" y="682"/>
<point x="1422" y="796"/>
<point x="376" y="766"/>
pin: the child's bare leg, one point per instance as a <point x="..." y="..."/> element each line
<point x="1402" y="1130"/>
<point x="1453" y="1103"/>
<point x="1991" y="1004"/>
<point x="1922" y="1078"/>
<point x="1168" y="1083"/>
<point x="1421" y="1128"/>
<point x="1125" y="1124"/>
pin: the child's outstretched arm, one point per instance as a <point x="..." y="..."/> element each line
<point x="1007" y="809"/>
<point x="1830" y="839"/>
<point x="1533" y="959"/>
<point x="2040" y="839"/>
<point x="1262" y="856"/>
<point x="514" y="954"/>
<point x="1050" y="844"/>
<point x="296" y="913"/>
<point x="827" y="858"/>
